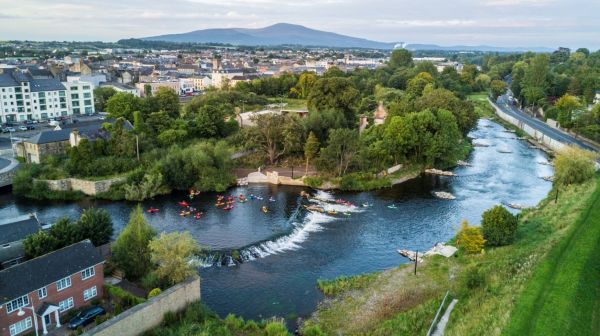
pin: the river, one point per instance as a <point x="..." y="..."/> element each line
<point x="287" y="249"/>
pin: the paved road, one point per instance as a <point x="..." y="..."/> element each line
<point x="4" y="163"/>
<point x="553" y="133"/>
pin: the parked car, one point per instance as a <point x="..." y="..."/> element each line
<point x="22" y="128"/>
<point x="30" y="127"/>
<point x="4" y="129"/>
<point x="11" y="129"/>
<point x="86" y="317"/>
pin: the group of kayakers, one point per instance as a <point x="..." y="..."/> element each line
<point x="224" y="202"/>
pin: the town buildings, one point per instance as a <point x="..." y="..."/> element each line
<point x="39" y="291"/>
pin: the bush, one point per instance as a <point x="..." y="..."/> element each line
<point x="122" y="297"/>
<point x="154" y="293"/>
<point x="313" y="181"/>
<point x="470" y="238"/>
<point x="150" y="281"/>
<point x="474" y="278"/>
<point x="574" y="165"/>
<point x="498" y="226"/>
<point x="312" y="330"/>
<point x="343" y="283"/>
<point x="276" y="329"/>
<point x="363" y="181"/>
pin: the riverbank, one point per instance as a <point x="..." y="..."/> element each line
<point x="496" y="290"/>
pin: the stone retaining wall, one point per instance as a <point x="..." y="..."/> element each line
<point x="149" y="314"/>
<point x="273" y="178"/>
<point x="89" y="188"/>
<point x="8" y="173"/>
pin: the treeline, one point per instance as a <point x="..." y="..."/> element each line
<point x="563" y="84"/>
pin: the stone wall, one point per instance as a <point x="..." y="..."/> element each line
<point x="534" y="133"/>
<point x="273" y="178"/>
<point x="150" y="314"/>
<point x="90" y="188"/>
<point x="8" y="173"/>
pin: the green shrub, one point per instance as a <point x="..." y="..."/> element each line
<point x="251" y="326"/>
<point x="154" y="293"/>
<point x="313" y="330"/>
<point x="123" y="297"/>
<point x="276" y="329"/>
<point x="470" y="238"/>
<point x="498" y="226"/>
<point x="150" y="281"/>
<point x="344" y="283"/>
<point x="363" y="181"/>
<point x="474" y="277"/>
<point x="313" y="181"/>
<point x="233" y="322"/>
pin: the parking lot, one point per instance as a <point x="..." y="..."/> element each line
<point x="40" y="126"/>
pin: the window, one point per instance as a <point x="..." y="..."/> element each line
<point x="86" y="87"/>
<point x="65" y="304"/>
<point x="74" y="96"/>
<point x="42" y="293"/>
<point x="87" y="95"/>
<point x="20" y="326"/>
<point x="76" y="110"/>
<point x="88" y="102"/>
<point x="88" y="109"/>
<point x="89" y="293"/>
<point x="63" y="283"/>
<point x="17" y="303"/>
<point x="73" y="88"/>
<point x="87" y="273"/>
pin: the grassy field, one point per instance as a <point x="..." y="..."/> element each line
<point x="536" y="286"/>
<point x="563" y="297"/>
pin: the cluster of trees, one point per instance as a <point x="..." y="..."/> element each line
<point x="498" y="228"/>
<point x="563" y="83"/>
<point x="93" y="224"/>
<point x="158" y="261"/>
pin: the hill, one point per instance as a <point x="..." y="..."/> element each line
<point x="277" y="34"/>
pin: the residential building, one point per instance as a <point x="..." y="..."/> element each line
<point x="201" y="83"/>
<point x="23" y="97"/>
<point x="80" y="97"/>
<point x="154" y="86"/>
<point x="12" y="233"/>
<point x="119" y="87"/>
<point x="95" y="79"/>
<point x="38" y="291"/>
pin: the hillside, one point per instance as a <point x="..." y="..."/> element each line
<point x="277" y="34"/>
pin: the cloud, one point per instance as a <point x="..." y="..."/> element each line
<point x="517" y="3"/>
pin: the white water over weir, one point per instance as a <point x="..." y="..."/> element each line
<point x="303" y="226"/>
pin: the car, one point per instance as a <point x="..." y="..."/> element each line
<point x="22" y="128"/>
<point x="11" y="129"/>
<point x="86" y="317"/>
<point x="4" y="129"/>
<point x="30" y="127"/>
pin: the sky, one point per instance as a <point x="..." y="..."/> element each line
<point x="532" y="23"/>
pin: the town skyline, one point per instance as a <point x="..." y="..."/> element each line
<point x="514" y="23"/>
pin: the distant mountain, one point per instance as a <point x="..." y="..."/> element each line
<point x="476" y="48"/>
<point x="277" y="34"/>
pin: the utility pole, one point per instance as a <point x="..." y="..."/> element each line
<point x="416" y="260"/>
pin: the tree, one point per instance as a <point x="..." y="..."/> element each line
<point x="535" y="80"/>
<point x="38" y="244"/>
<point x="101" y="97"/>
<point x="573" y="165"/>
<point x="482" y="81"/>
<point x="168" y="101"/>
<point x="341" y="150"/>
<point x="305" y="83"/>
<point x="442" y="99"/>
<point x="497" y="88"/>
<point x="498" y="226"/>
<point x="335" y="94"/>
<point x="122" y="105"/>
<point x="96" y="225"/>
<point x="566" y="105"/>
<point x="172" y="254"/>
<point x="131" y="252"/>
<point x="311" y="149"/>
<point x="147" y="90"/>
<point x="401" y="58"/>
<point x="417" y="84"/>
<point x="273" y="135"/>
<point x="470" y="238"/>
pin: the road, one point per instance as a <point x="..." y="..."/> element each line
<point x="505" y="105"/>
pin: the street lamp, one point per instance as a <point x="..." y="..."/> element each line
<point x="35" y="324"/>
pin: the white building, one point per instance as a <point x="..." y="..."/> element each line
<point x="95" y="79"/>
<point x="24" y="98"/>
<point x="80" y="97"/>
<point x="120" y="87"/>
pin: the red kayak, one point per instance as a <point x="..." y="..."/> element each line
<point x="198" y="216"/>
<point x="152" y="210"/>
<point x="184" y="204"/>
<point x="227" y="208"/>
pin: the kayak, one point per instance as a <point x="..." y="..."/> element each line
<point x="152" y="210"/>
<point x="366" y="204"/>
<point x="393" y="206"/>
<point x="184" y="204"/>
<point x="332" y="212"/>
<point x="265" y="209"/>
<point x="227" y="208"/>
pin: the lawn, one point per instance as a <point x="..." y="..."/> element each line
<point x="563" y="297"/>
<point x="292" y="103"/>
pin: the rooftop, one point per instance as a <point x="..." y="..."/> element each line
<point x="36" y="273"/>
<point x="17" y="228"/>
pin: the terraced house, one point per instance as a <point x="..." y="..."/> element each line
<point x="35" y="294"/>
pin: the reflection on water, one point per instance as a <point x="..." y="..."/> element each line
<point x="288" y="248"/>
